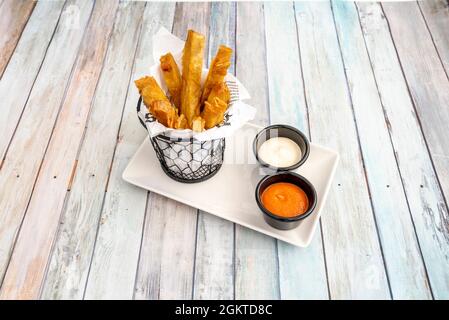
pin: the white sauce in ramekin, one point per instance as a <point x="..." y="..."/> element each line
<point x="280" y="152"/>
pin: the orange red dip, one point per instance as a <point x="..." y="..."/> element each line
<point x="285" y="199"/>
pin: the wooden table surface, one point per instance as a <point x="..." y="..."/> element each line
<point x="367" y="79"/>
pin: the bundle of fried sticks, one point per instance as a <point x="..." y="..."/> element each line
<point x="189" y="106"/>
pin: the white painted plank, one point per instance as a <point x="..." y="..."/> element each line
<point x="256" y="265"/>
<point x="354" y="259"/>
<point x="302" y="272"/>
<point x="425" y="199"/>
<point x="403" y="259"/>
<point x="214" y="261"/>
<point x="168" y="250"/>
<point x="22" y="69"/>
<point x="14" y="16"/>
<point x="436" y="14"/>
<point x="22" y="163"/>
<point x="67" y="274"/>
<point x="29" y="259"/>
<point x="116" y="254"/>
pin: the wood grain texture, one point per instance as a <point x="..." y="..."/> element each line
<point x="354" y="259"/>
<point x="214" y="261"/>
<point x="28" y="262"/>
<point x="116" y="255"/>
<point x="421" y="184"/>
<point x="436" y="15"/>
<point x="426" y="79"/>
<point x="167" y="256"/>
<point x="14" y="16"/>
<point x="256" y="264"/>
<point x="72" y="251"/>
<point x="368" y="79"/>
<point x="302" y="272"/>
<point x="403" y="258"/>
<point x="27" y="149"/>
<point x="24" y="66"/>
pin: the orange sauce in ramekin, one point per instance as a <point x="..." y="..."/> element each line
<point x="285" y="199"/>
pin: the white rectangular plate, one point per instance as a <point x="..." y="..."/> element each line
<point x="230" y="194"/>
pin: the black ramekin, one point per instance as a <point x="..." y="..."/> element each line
<point x="291" y="177"/>
<point x="282" y="130"/>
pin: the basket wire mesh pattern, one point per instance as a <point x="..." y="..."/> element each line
<point x="187" y="159"/>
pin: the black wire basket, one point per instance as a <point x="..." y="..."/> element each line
<point x="186" y="159"/>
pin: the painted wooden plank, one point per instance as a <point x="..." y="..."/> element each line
<point x="401" y="251"/>
<point x="302" y="272"/>
<point x="256" y="263"/>
<point x="167" y="254"/>
<point x="286" y="94"/>
<point x="354" y="259"/>
<point x="436" y="14"/>
<point x="425" y="198"/>
<point x="72" y="250"/>
<point x="427" y="81"/>
<point x="214" y="261"/>
<point x="22" y="163"/>
<point x="116" y="255"/>
<point x="166" y="265"/>
<point x="24" y="66"/>
<point x="29" y="259"/>
<point x="15" y="15"/>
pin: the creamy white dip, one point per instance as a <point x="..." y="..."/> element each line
<point x="280" y="152"/>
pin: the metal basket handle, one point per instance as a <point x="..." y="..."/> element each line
<point x="139" y="116"/>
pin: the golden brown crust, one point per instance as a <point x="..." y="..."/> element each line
<point x="213" y="113"/>
<point x="152" y="92"/>
<point x="198" y="124"/>
<point x="164" y="112"/>
<point x="181" y="122"/>
<point x="220" y="91"/>
<point x="142" y="83"/>
<point x="172" y="77"/>
<point x="217" y="71"/>
<point x="192" y="65"/>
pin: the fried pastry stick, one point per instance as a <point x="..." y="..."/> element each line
<point x="217" y="70"/>
<point x="220" y="91"/>
<point x="142" y="83"/>
<point x="181" y="122"/>
<point x="150" y="91"/>
<point x="164" y="112"/>
<point x="192" y="64"/>
<point x="213" y="112"/>
<point x="172" y="78"/>
<point x="198" y="124"/>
